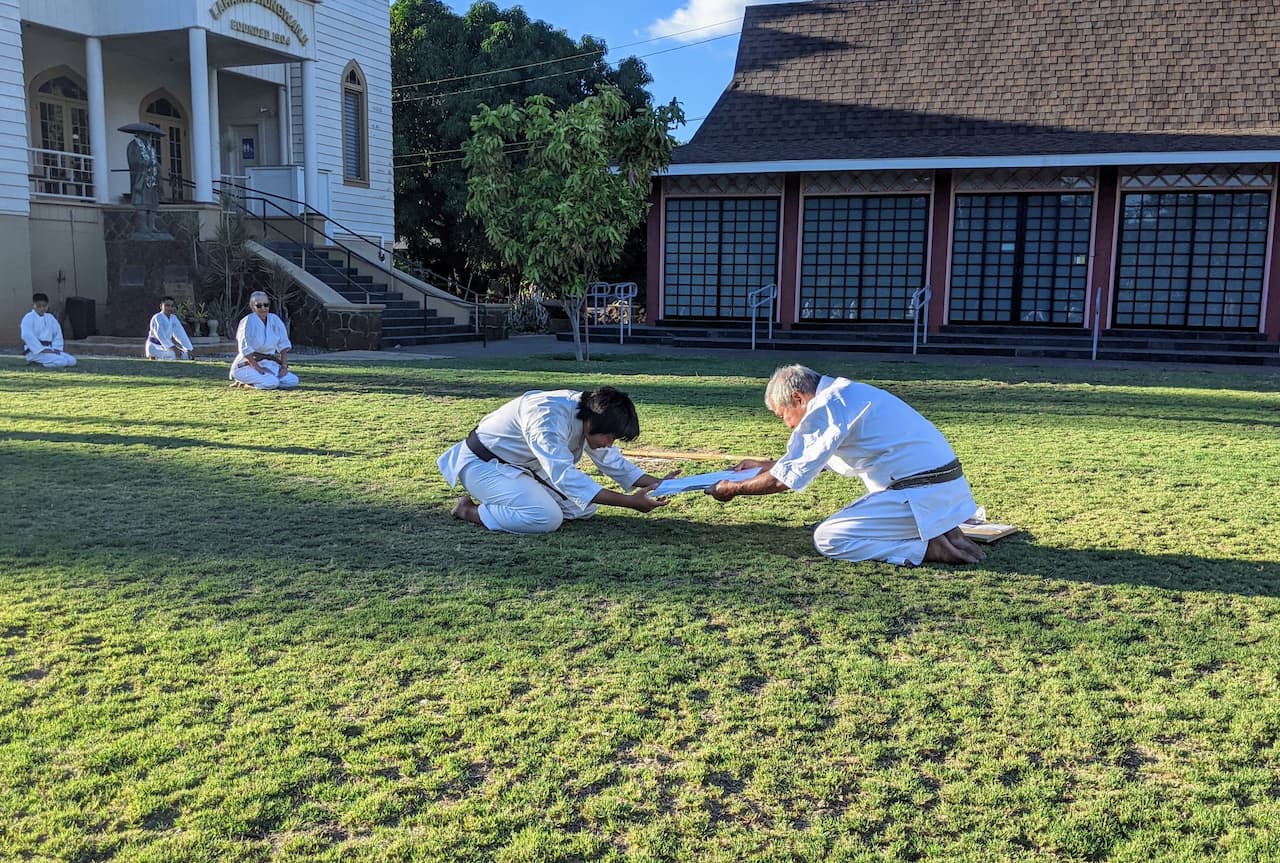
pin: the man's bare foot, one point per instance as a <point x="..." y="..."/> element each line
<point x="957" y="538"/>
<point x="944" y="549"/>
<point x="466" y="510"/>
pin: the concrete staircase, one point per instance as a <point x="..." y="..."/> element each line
<point x="404" y="320"/>
<point x="1169" y="346"/>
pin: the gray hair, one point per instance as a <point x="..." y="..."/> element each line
<point x="786" y="382"/>
<point x="253" y="298"/>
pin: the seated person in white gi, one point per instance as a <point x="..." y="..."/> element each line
<point x="917" y="496"/>
<point x="263" y="339"/>
<point x="42" y="336"/>
<point x="521" y="461"/>
<point x="166" y="337"/>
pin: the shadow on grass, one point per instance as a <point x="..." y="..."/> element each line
<point x="161" y="442"/>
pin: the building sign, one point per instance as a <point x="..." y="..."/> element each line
<point x="274" y="6"/>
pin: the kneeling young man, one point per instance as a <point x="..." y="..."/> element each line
<point x="166" y="337"/>
<point x="917" y="496"/>
<point x="520" y="464"/>
<point x="42" y="336"/>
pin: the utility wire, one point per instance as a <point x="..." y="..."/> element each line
<point x="404" y="99"/>
<point x="560" y="59"/>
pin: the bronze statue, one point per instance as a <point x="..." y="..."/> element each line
<point x="144" y="177"/>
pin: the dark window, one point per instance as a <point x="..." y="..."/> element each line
<point x="862" y="257"/>
<point x="355" y="144"/>
<point x="718" y="250"/>
<point x="1020" y="258"/>
<point x="1191" y="259"/>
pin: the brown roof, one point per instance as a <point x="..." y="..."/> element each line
<point x="872" y="79"/>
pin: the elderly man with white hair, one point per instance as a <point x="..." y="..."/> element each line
<point x="263" y="339"/>
<point x="917" y="496"/>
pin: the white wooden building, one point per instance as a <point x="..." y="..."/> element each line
<point x="291" y="97"/>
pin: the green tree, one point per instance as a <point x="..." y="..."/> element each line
<point x="444" y="66"/>
<point x="558" y="192"/>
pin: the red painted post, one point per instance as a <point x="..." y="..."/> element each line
<point x="654" y="255"/>
<point x="788" y="281"/>
<point x="1104" y="243"/>
<point x="939" y="248"/>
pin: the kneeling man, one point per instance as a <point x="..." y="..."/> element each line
<point x="42" y="336"/>
<point x="521" y="462"/>
<point x="166" y="337"/>
<point x="917" y="496"/>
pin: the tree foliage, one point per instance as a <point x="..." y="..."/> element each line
<point x="443" y="68"/>
<point x="558" y="192"/>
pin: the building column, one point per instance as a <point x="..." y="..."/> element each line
<point x="201" y="158"/>
<point x="215" y="128"/>
<point x="1270" y="311"/>
<point x="1104" y="246"/>
<point x="310" y="170"/>
<point x="282" y="122"/>
<point x="97" y="118"/>
<point x="654" y="253"/>
<point x="788" y="273"/>
<point x="939" y="248"/>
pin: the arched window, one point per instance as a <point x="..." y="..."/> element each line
<point x="162" y="109"/>
<point x="60" y="125"/>
<point x="355" y="124"/>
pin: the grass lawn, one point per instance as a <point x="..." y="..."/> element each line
<point x="240" y="626"/>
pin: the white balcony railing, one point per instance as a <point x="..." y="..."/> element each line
<point x="57" y="174"/>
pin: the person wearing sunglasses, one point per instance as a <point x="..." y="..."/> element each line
<point x="263" y="339"/>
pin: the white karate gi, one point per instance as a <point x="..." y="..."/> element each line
<point x="860" y="431"/>
<point x="539" y="432"/>
<point x="269" y="337"/>
<point x="40" y="332"/>
<point x="165" y="332"/>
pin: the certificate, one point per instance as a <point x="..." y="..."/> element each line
<point x="700" y="481"/>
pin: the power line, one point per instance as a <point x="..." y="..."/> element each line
<point x="406" y="99"/>
<point x="570" y="57"/>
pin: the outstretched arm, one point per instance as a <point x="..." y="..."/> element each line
<point x="638" y="500"/>
<point x="762" y="483"/>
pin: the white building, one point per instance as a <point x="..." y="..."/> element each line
<point x="291" y="96"/>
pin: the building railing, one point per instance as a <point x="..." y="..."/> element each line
<point x="1097" y="320"/>
<point x="762" y="298"/>
<point x="58" y="174"/>
<point x="601" y="296"/>
<point x="920" y="322"/>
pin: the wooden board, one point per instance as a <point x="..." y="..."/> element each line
<point x="987" y="532"/>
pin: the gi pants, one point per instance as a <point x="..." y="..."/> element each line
<point x="247" y="374"/>
<point x="512" y="501"/>
<point x="895" y="526"/>
<point x="52" y="361"/>
<point x="160" y="352"/>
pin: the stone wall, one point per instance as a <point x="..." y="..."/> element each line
<point x="338" y="329"/>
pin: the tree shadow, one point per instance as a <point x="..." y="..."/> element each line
<point x="159" y="441"/>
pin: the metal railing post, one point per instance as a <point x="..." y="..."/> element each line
<point x="1097" y="320"/>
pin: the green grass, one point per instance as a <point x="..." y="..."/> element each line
<point x="240" y="626"/>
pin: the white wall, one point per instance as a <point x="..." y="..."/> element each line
<point x="14" y="198"/>
<point x="357" y="30"/>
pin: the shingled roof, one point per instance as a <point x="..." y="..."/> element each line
<point x="896" y="79"/>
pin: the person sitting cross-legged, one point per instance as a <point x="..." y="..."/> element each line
<point x="263" y="340"/>
<point x="166" y="337"/>
<point x="521" y="461"/>
<point x="42" y="336"/>
<point x="917" y="496"/>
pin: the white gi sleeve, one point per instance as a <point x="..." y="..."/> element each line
<point x="56" y="332"/>
<point x="614" y="464"/>
<point x="813" y="442"/>
<point x="545" y="439"/>
<point x="30" y="338"/>
<point x="242" y="336"/>
<point x="180" y="334"/>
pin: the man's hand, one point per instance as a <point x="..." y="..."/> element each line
<point x="641" y="502"/>
<point x="749" y="463"/>
<point x="648" y="482"/>
<point x="725" y="490"/>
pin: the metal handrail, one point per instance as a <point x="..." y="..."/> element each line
<point x="1097" y="319"/>
<point x="920" y="301"/>
<point x="600" y="295"/>
<point x="757" y="298"/>
<point x="307" y="208"/>
<point x="70" y="173"/>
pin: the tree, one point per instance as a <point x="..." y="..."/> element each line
<point x="559" y="191"/>
<point x="444" y="66"/>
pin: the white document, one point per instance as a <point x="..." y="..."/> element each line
<point x="700" y="481"/>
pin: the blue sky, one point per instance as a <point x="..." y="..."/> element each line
<point x="669" y="32"/>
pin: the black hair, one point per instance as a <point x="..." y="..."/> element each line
<point x="168" y="300"/>
<point x="609" y="411"/>
<point x="39" y="298"/>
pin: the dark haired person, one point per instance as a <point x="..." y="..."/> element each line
<point x="917" y="496"/>
<point x="42" y="336"/>
<point x="521" y="462"/>
<point x="166" y="337"/>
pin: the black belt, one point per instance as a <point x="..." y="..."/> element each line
<point x="48" y="343"/>
<point x="949" y="471"/>
<point x="483" y="453"/>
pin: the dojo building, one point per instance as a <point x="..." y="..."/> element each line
<point x="287" y="97"/>
<point x="1035" y="164"/>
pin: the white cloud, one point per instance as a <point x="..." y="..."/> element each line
<point x="702" y="19"/>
